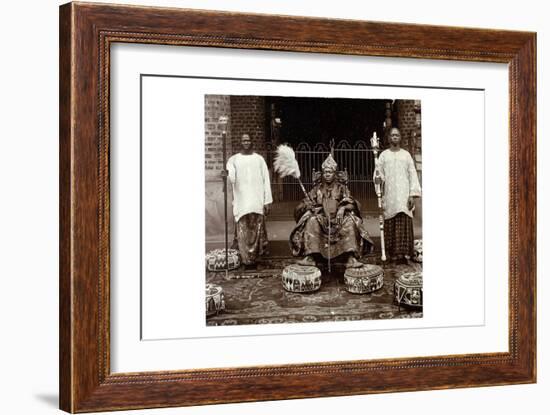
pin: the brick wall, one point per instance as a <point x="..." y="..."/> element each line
<point x="406" y="120"/>
<point x="409" y="122"/>
<point x="248" y="116"/>
<point x="214" y="107"/>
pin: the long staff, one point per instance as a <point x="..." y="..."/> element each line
<point x="378" y="189"/>
<point x="285" y="164"/>
<point x="223" y="123"/>
<point x="329" y="238"/>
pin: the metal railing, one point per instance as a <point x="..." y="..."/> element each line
<point x="357" y="159"/>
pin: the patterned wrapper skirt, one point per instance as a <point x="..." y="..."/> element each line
<point x="251" y="237"/>
<point x="398" y="236"/>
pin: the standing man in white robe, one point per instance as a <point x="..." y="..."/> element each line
<point x="401" y="188"/>
<point x="249" y="176"/>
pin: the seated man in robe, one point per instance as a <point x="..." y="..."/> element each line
<point x="329" y="222"/>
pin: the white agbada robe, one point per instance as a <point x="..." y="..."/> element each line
<point x="400" y="181"/>
<point x="251" y="186"/>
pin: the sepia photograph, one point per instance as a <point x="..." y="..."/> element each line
<point x="313" y="209"/>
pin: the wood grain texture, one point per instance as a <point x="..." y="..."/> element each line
<point x="65" y="134"/>
<point x="86" y="33"/>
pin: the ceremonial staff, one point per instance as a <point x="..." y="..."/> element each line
<point x="378" y="189"/>
<point x="223" y="122"/>
<point x="329" y="238"/>
<point x="286" y="165"/>
<point x="327" y="212"/>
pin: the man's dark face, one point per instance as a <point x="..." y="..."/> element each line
<point x="328" y="175"/>
<point x="246" y="144"/>
<point x="395" y="137"/>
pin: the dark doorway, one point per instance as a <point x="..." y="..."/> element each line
<point x="319" y="120"/>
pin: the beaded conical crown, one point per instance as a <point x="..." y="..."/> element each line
<point x="329" y="163"/>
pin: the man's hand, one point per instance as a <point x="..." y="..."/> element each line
<point x="309" y="205"/>
<point x="340" y="215"/>
<point x="410" y="203"/>
<point x="267" y="209"/>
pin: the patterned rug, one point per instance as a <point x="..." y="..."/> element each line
<point x="257" y="297"/>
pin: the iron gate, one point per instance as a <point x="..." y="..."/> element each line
<point x="357" y="159"/>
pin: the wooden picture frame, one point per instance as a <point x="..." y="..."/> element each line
<point x="86" y="33"/>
